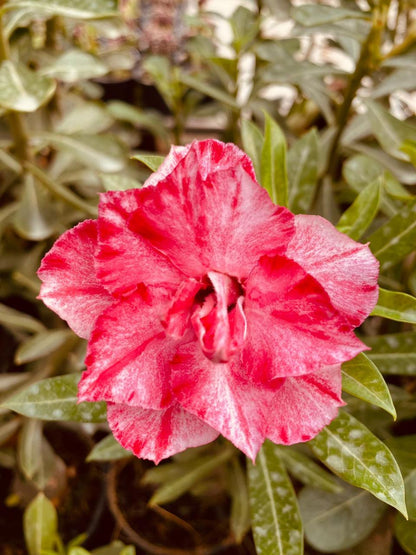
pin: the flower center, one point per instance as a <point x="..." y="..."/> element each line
<point x="214" y="309"/>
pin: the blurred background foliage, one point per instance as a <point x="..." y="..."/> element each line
<point x="321" y="95"/>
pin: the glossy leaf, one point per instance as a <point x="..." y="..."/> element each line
<point x="152" y="161"/>
<point x="338" y="521"/>
<point x="358" y="217"/>
<point x="273" y="162"/>
<point x="22" y="89"/>
<point x="40" y="524"/>
<point x="201" y="468"/>
<point x="394" y="353"/>
<point x="352" y="452"/>
<point x="276" y="522"/>
<point x="77" y="9"/>
<point x="361" y="378"/>
<point x="302" y="170"/>
<point x="41" y="345"/>
<point x="108" y="449"/>
<point x="56" y="399"/>
<point x="396" y="306"/>
<point x="253" y="143"/>
<point x="395" y="239"/>
<point x="405" y="531"/>
<point x="240" y="506"/>
<point x="304" y="469"/>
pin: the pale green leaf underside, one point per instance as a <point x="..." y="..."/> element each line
<point x="22" y="89"/>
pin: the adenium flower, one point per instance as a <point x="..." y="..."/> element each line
<point x="208" y="309"/>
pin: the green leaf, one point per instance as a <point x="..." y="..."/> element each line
<point x="409" y="147"/>
<point x="240" y="506"/>
<point x="104" y="153"/>
<point x="200" y="469"/>
<point x="252" y="143"/>
<point x="391" y="242"/>
<point x="108" y="449"/>
<point x="337" y="521"/>
<point x="11" y="318"/>
<point x="311" y="15"/>
<point x="150" y="160"/>
<point x="22" y="89"/>
<point x="75" y="65"/>
<point x="358" y="217"/>
<point x="56" y="399"/>
<point x="40" y="524"/>
<point x="304" y="469"/>
<point x="140" y="118"/>
<point x="77" y="9"/>
<point x="276" y="522"/>
<point x="405" y="531"/>
<point x="390" y="132"/>
<point x="35" y="219"/>
<point x="83" y="115"/>
<point x="302" y="170"/>
<point x="118" y="182"/>
<point x="352" y="452"/>
<point x="395" y="306"/>
<point x="209" y="90"/>
<point x="361" y="378"/>
<point x="394" y="353"/>
<point x="40" y="345"/>
<point x="273" y="162"/>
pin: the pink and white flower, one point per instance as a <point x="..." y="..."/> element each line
<point x="208" y="309"/>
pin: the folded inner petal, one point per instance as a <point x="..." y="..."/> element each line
<point x="70" y="285"/>
<point x="292" y="327"/>
<point x="157" y="434"/>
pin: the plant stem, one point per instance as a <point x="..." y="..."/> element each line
<point x="16" y="120"/>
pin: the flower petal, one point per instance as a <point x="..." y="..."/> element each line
<point x="128" y="356"/>
<point x="70" y="285"/>
<point x="347" y="270"/>
<point x="304" y="405"/>
<point x="209" y="213"/>
<point x="175" y="155"/>
<point x="221" y="398"/>
<point x="292" y="327"/>
<point x="124" y="258"/>
<point x="157" y="434"/>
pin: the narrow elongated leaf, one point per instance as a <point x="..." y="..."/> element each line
<point x="209" y="90"/>
<point x="338" y="521"/>
<point x="394" y="353"/>
<point x="40" y="524"/>
<point x="104" y="153"/>
<point x="311" y="15"/>
<point x="240" y="506"/>
<point x="273" y="162"/>
<point x="22" y="89"/>
<point x="350" y="450"/>
<point x="252" y="143"/>
<point x="361" y="378"/>
<point x="173" y="489"/>
<point x="276" y="522"/>
<point x="108" y="449"/>
<point x="11" y="318"/>
<point x="56" y="399"/>
<point x="357" y="218"/>
<point x="409" y="147"/>
<point x="150" y="160"/>
<point x="395" y="239"/>
<point x="78" y="9"/>
<point x="406" y="534"/>
<point x="41" y="345"/>
<point x="396" y="306"/>
<point x="302" y="170"/>
<point x="304" y="469"/>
